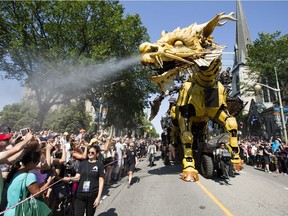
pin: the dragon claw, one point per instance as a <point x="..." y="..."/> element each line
<point x="190" y="175"/>
<point x="238" y="166"/>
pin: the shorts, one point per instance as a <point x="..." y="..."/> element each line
<point x="266" y="159"/>
<point x="131" y="167"/>
<point x="108" y="161"/>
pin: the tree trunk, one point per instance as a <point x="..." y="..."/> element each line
<point x="43" y="110"/>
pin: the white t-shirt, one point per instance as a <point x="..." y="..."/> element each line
<point x="119" y="149"/>
<point x="68" y="153"/>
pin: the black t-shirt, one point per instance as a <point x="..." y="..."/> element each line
<point x="266" y="152"/>
<point x="130" y="156"/>
<point x="89" y="176"/>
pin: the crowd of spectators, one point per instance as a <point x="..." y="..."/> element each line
<point x="69" y="171"/>
<point x="58" y="168"/>
<point x="267" y="155"/>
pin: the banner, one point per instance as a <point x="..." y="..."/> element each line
<point x="104" y="113"/>
<point x="277" y="115"/>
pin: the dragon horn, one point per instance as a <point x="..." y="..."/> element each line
<point x="209" y="27"/>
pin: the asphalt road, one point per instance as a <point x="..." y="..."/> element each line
<point x="159" y="191"/>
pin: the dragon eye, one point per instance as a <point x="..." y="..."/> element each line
<point x="178" y="43"/>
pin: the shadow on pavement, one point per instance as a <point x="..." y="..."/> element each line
<point x="135" y="180"/>
<point x="110" y="212"/>
<point x="223" y="181"/>
<point x="165" y="170"/>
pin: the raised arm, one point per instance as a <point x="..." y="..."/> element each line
<point x="5" y="157"/>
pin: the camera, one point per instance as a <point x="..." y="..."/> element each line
<point x="24" y="131"/>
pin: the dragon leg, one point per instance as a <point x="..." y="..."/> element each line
<point x="189" y="172"/>
<point x="184" y="112"/>
<point x="231" y="126"/>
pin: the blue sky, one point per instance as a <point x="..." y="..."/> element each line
<point x="261" y="16"/>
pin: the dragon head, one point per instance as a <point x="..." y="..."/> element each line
<point x="182" y="51"/>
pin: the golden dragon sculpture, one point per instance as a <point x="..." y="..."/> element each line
<point x="191" y="53"/>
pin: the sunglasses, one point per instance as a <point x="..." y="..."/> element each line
<point x="92" y="153"/>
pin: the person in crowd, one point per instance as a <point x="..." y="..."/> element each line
<point x="10" y="155"/>
<point x="125" y="147"/>
<point x="275" y="149"/>
<point x="119" y="164"/>
<point x="254" y="155"/>
<point x="95" y="142"/>
<point x="68" y="139"/>
<point x="82" y="135"/>
<point x="244" y="151"/>
<point x="55" y="163"/>
<point x="260" y="158"/>
<point x="77" y="155"/>
<point x="60" y="190"/>
<point x="143" y="149"/>
<point x="172" y="156"/>
<point x="151" y="153"/>
<point x="283" y="158"/>
<point x="43" y="169"/>
<point x="109" y="160"/>
<point x="90" y="176"/>
<point x="20" y="174"/>
<point x="132" y="162"/>
<point x="266" y="157"/>
<point x="224" y="158"/>
<point x="63" y="139"/>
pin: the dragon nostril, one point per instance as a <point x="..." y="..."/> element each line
<point x="154" y="49"/>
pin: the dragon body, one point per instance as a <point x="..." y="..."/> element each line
<point x="191" y="53"/>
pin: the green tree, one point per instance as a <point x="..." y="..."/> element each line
<point x="49" y="45"/>
<point x="126" y="98"/>
<point x="17" y="116"/>
<point x="267" y="52"/>
<point x="69" y="118"/>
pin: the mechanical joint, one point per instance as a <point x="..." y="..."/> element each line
<point x="187" y="137"/>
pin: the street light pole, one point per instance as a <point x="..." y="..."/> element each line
<point x="281" y="107"/>
<point x="258" y="86"/>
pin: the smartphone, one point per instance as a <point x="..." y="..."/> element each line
<point x="24" y="131"/>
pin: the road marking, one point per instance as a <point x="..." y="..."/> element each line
<point x="225" y="210"/>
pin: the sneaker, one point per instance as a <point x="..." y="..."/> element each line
<point x="270" y="172"/>
<point x="128" y="185"/>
